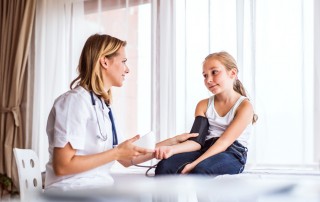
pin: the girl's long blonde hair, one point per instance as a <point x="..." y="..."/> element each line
<point x="230" y="63"/>
<point x="90" y="74"/>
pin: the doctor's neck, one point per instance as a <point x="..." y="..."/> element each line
<point x="106" y="86"/>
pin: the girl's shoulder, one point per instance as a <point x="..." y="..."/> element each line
<point x="245" y="106"/>
<point x="204" y="102"/>
<point x="202" y="106"/>
<point x="244" y="102"/>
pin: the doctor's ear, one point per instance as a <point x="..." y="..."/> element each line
<point x="104" y="62"/>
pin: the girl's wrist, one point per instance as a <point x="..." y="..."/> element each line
<point x="173" y="150"/>
<point x="173" y="141"/>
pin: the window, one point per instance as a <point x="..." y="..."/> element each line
<point x="272" y="42"/>
<point x="130" y="21"/>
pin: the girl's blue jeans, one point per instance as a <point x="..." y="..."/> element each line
<point x="231" y="161"/>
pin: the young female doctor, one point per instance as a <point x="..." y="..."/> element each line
<point x="83" y="140"/>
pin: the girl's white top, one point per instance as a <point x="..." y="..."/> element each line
<point x="73" y="119"/>
<point x="218" y="124"/>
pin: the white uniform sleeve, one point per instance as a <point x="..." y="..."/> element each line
<point x="70" y="120"/>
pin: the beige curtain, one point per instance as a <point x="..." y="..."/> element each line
<point x="16" y="24"/>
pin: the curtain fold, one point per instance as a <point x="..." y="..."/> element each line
<point x="17" y="17"/>
<point x="60" y="33"/>
<point x="316" y="80"/>
<point x="164" y="74"/>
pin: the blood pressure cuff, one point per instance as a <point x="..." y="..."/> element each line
<point x="201" y="126"/>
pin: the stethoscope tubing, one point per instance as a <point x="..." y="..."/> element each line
<point x="114" y="133"/>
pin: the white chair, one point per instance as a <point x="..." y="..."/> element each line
<point x="30" y="181"/>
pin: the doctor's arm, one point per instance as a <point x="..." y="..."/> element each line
<point x="66" y="162"/>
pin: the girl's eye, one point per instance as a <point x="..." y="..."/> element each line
<point x="124" y="61"/>
<point x="214" y="72"/>
<point x="205" y="76"/>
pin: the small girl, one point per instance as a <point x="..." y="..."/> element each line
<point x="230" y="115"/>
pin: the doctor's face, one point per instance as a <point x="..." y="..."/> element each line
<point x="117" y="68"/>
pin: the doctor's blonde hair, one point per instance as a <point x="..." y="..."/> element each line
<point x="89" y="67"/>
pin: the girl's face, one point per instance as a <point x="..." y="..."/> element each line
<point x="116" y="68"/>
<point x="216" y="77"/>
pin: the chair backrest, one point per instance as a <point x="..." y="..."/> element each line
<point x="30" y="181"/>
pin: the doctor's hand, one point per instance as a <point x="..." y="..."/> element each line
<point x="127" y="150"/>
<point x="183" y="137"/>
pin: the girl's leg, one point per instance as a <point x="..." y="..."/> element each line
<point x="219" y="164"/>
<point x="231" y="161"/>
<point x="176" y="163"/>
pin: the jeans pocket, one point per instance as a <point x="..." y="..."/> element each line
<point x="239" y="151"/>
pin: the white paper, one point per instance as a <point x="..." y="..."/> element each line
<point x="147" y="141"/>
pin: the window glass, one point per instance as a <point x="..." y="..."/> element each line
<point x="129" y="21"/>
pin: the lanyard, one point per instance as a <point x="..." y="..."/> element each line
<point x="114" y="131"/>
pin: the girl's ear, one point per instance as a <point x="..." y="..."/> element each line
<point x="104" y="62"/>
<point x="233" y="73"/>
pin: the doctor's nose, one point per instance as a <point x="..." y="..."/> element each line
<point x="127" y="70"/>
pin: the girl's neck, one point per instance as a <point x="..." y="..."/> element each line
<point x="227" y="97"/>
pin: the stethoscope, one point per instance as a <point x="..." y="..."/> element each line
<point x="114" y="132"/>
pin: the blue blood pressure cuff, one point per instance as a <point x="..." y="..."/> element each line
<point x="201" y="126"/>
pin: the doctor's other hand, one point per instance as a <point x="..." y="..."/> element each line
<point x="183" y="137"/>
<point x="127" y="151"/>
<point x="163" y="152"/>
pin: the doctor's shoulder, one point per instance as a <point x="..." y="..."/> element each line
<point x="74" y="98"/>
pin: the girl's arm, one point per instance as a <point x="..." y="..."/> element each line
<point x="168" y="142"/>
<point x="165" y="152"/>
<point x="66" y="162"/>
<point x="242" y="119"/>
<point x="178" y="143"/>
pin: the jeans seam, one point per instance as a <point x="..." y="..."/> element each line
<point x="182" y="166"/>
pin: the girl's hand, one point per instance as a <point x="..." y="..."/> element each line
<point x="127" y="150"/>
<point x="183" y="137"/>
<point x="188" y="168"/>
<point x="163" y="152"/>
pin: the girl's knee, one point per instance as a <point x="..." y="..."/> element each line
<point x="163" y="167"/>
<point x="201" y="169"/>
<point x="218" y="168"/>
